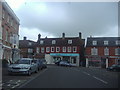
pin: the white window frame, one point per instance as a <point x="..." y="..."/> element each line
<point x="74" y="48"/>
<point x="106" y="51"/>
<point x="117" y="42"/>
<point x="94" y="51"/>
<point x="69" y="49"/>
<point x="57" y="49"/>
<point x="69" y="41"/>
<point x="52" y="49"/>
<point x="30" y="43"/>
<point x="6" y="37"/>
<point x="106" y="42"/>
<point x="3" y="14"/>
<point x="30" y="50"/>
<point x="37" y="50"/>
<point x="53" y="41"/>
<point x="41" y="41"/>
<point x="64" y="49"/>
<point x="47" y="49"/>
<point x="8" y="18"/>
<point x="42" y="49"/>
<point x="94" y="42"/>
<point x="117" y="51"/>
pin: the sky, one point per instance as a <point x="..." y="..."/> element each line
<point x="51" y="19"/>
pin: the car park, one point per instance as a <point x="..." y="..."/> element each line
<point x="23" y="66"/>
<point x="114" y="67"/>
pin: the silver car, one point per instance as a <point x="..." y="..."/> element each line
<point x="23" y="66"/>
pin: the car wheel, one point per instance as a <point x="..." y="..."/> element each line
<point x="29" y="72"/>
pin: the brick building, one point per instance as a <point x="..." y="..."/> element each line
<point x="64" y="48"/>
<point x="27" y="48"/>
<point x="9" y="37"/>
<point x="102" y="51"/>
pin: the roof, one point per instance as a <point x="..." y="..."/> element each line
<point x="100" y="41"/>
<point x="61" y="41"/>
<point x="25" y="44"/>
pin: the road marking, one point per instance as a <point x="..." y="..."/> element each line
<point x="9" y="85"/>
<point x="86" y="73"/>
<point x="15" y="85"/>
<point x="100" y="80"/>
<point x="32" y="79"/>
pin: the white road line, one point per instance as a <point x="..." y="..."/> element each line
<point x="9" y="85"/>
<point x="86" y="73"/>
<point x="100" y="80"/>
<point x="32" y="79"/>
<point x="15" y="85"/>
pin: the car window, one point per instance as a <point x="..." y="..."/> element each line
<point x="24" y="62"/>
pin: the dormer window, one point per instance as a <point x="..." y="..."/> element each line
<point x="118" y="42"/>
<point x="53" y="42"/>
<point x="94" y="42"/>
<point x="69" y="41"/>
<point x="41" y="41"/>
<point x="30" y="43"/>
<point x="105" y="42"/>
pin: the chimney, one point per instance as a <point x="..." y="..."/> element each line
<point x="63" y="35"/>
<point x="39" y="36"/>
<point x="80" y="35"/>
<point x="24" y="38"/>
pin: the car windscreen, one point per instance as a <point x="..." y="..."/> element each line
<point x="24" y="62"/>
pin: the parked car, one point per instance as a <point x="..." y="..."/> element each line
<point x="64" y="63"/>
<point x="23" y="66"/>
<point x="57" y="62"/>
<point x="40" y="63"/>
<point x="114" y="67"/>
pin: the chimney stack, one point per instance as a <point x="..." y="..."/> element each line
<point x="39" y="36"/>
<point x="80" y="35"/>
<point x="24" y="38"/>
<point x="63" y="35"/>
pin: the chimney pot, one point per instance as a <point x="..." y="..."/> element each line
<point x="63" y="35"/>
<point x="25" y="38"/>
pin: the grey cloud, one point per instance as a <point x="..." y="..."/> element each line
<point x="91" y="18"/>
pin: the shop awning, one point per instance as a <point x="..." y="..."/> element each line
<point x="64" y="54"/>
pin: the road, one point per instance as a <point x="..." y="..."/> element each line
<point x="72" y="77"/>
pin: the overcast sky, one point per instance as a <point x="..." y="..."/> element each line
<point x="51" y="19"/>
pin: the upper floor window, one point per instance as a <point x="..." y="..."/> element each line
<point x="53" y="42"/>
<point x="74" y="49"/>
<point x="6" y="35"/>
<point x="30" y="43"/>
<point x="64" y="49"/>
<point x="47" y="49"/>
<point x="118" y="42"/>
<point x="106" y="51"/>
<point x="57" y="49"/>
<point x="117" y="51"/>
<point x="3" y="13"/>
<point x="105" y="42"/>
<point x="94" y="42"/>
<point x="41" y="41"/>
<point x="8" y="19"/>
<point x="30" y="50"/>
<point x="37" y="50"/>
<point x="94" y="51"/>
<point x="42" y="50"/>
<point x="69" y="41"/>
<point x="69" y="49"/>
<point x="52" y="49"/>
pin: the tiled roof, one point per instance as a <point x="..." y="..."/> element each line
<point x="100" y="41"/>
<point x="62" y="42"/>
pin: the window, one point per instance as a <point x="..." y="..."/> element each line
<point x="74" y="49"/>
<point x="94" y="42"/>
<point x="118" y="42"/>
<point x="117" y="51"/>
<point x="106" y="51"/>
<point x="11" y="22"/>
<point x="53" y="42"/>
<point x="29" y="43"/>
<point x="64" y="49"/>
<point x="30" y="50"/>
<point x="94" y="51"/>
<point x="3" y="14"/>
<point x="52" y="49"/>
<point x="57" y="49"/>
<point x="69" y="41"/>
<point x="42" y="49"/>
<point x="37" y="50"/>
<point x="1" y="32"/>
<point x="6" y="35"/>
<point x="41" y="41"/>
<point x="105" y="42"/>
<point x="47" y="49"/>
<point x="69" y="49"/>
<point x="8" y="19"/>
